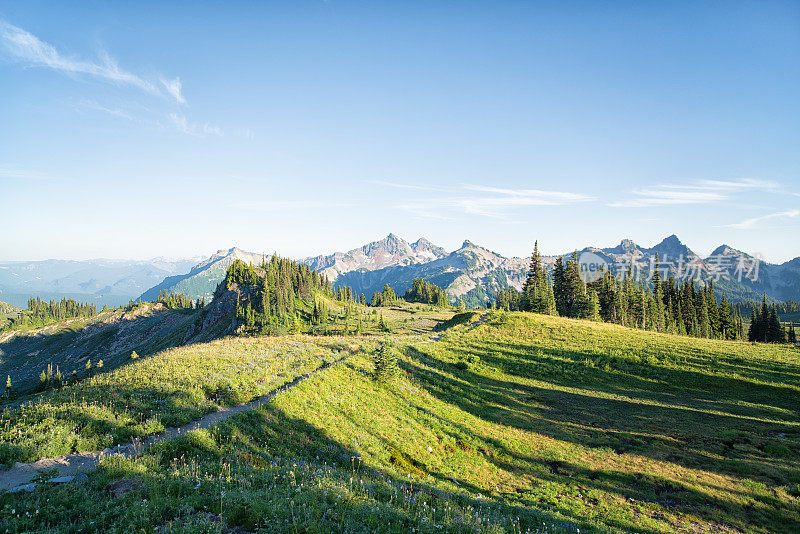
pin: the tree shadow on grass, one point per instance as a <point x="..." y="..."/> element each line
<point x="262" y="468"/>
<point x="271" y="435"/>
<point x="678" y="434"/>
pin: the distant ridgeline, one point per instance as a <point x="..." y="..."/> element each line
<point x="40" y="312"/>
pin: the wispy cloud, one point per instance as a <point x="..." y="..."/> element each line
<point x="700" y="192"/>
<point x="532" y="197"/>
<point x="27" y="48"/>
<point x="726" y="185"/>
<point x="660" y="197"/>
<point x="174" y="87"/>
<point x="754" y="222"/>
<point x="493" y="202"/>
<point x="23" y="47"/>
<point x="197" y="130"/>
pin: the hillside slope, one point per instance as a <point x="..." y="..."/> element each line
<point x="513" y="423"/>
<point x="111" y="336"/>
<point x="202" y="280"/>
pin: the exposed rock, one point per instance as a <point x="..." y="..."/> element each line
<point x="25" y="487"/>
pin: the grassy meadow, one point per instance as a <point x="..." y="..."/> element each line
<point x="513" y="423"/>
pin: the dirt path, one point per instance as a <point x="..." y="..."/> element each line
<point x="21" y="474"/>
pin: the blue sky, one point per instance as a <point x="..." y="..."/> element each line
<point x="133" y="131"/>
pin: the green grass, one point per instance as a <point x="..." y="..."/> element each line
<point x="519" y="423"/>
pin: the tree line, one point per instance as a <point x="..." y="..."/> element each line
<point x="426" y="293"/>
<point x="421" y="291"/>
<point x="179" y="301"/>
<point x="765" y="325"/>
<point x="40" y="312"/>
<point x="663" y="305"/>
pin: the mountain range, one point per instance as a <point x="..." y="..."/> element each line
<point x="475" y="274"/>
<point x="472" y="272"/>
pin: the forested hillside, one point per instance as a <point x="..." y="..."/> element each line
<point x="661" y="305"/>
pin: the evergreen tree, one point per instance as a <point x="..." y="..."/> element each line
<point x="724" y="320"/>
<point x="426" y="293"/>
<point x="560" y="291"/>
<point x="775" y="331"/>
<point x="593" y="310"/>
<point x="535" y="288"/>
<point x="385" y="361"/>
<point x="658" y="321"/>
<point x="704" y="327"/>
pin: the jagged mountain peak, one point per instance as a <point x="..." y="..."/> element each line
<point x="727" y="250"/>
<point x="424" y="248"/>
<point x="392" y="243"/>
<point x="626" y="246"/>
<point x="671" y="240"/>
<point x="390" y="251"/>
<point x="671" y="247"/>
